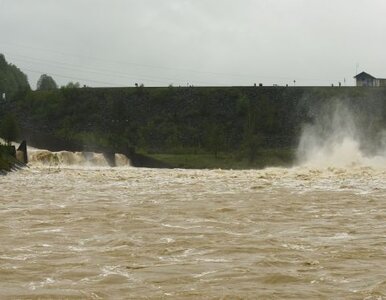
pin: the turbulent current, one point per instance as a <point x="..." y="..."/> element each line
<point x="75" y="229"/>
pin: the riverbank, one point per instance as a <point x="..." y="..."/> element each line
<point x="6" y="164"/>
<point x="7" y="160"/>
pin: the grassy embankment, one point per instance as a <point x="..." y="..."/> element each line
<point x="265" y="158"/>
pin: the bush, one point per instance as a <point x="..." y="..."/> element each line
<point x="9" y="129"/>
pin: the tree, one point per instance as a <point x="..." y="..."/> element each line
<point x="3" y="62"/>
<point x="9" y="129"/>
<point x="46" y="83"/>
<point x="12" y="80"/>
<point x="72" y="85"/>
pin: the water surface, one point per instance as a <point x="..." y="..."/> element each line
<point x="81" y="232"/>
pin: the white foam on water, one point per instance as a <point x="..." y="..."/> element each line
<point x="67" y="158"/>
<point x="335" y="140"/>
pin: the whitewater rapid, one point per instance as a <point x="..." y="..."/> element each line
<point x="67" y="158"/>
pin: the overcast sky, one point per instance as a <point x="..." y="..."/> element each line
<point x="197" y="42"/>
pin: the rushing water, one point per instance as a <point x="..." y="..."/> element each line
<point x="73" y="231"/>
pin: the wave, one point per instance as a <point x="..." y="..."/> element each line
<point x="67" y="158"/>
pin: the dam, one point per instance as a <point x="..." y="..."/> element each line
<point x="147" y="124"/>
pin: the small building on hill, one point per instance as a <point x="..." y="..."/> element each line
<point x="367" y="80"/>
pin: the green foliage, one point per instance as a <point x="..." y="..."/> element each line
<point x="46" y="83"/>
<point x="5" y="161"/>
<point x="9" y="129"/>
<point x="72" y="85"/>
<point x="3" y="62"/>
<point x="8" y="159"/>
<point x="267" y="157"/>
<point x="12" y="80"/>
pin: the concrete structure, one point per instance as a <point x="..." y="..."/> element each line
<point x="21" y="153"/>
<point x="367" y="80"/>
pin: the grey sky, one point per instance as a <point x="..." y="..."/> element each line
<point x="200" y="42"/>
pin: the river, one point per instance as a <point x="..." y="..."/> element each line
<point x="71" y="231"/>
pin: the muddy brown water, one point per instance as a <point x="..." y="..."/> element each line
<point x="81" y="232"/>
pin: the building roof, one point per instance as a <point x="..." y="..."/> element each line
<point x="364" y="75"/>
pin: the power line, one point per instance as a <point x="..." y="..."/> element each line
<point x="124" y="62"/>
<point x="88" y="70"/>
<point x="28" y="59"/>
<point x="252" y="76"/>
<point x="72" y="78"/>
